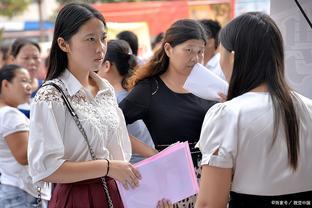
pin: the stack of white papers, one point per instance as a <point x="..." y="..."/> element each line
<point x="205" y="84"/>
<point x="169" y="174"/>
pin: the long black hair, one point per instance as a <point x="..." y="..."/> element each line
<point x="71" y="17"/>
<point x="259" y="58"/>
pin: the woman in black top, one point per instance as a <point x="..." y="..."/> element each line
<point x="170" y="113"/>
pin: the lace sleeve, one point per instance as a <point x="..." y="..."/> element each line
<point x="48" y="94"/>
<point x="48" y="124"/>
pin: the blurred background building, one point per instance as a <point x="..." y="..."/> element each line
<point x="34" y="19"/>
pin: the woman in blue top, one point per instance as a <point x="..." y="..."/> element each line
<point x="117" y="66"/>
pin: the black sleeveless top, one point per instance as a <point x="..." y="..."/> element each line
<point x="169" y="116"/>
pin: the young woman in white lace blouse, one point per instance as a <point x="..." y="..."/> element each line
<point x="57" y="150"/>
<point x="256" y="146"/>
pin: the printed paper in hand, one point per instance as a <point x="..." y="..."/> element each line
<point x="169" y="174"/>
<point x="205" y="84"/>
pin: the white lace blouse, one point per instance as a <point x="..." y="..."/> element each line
<point x="54" y="137"/>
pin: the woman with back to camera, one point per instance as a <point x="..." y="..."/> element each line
<point x="117" y="65"/>
<point x="16" y="187"/>
<point x="170" y="113"/>
<point x="257" y="145"/>
<point x="84" y="151"/>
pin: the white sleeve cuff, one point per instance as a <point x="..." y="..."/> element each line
<point x="223" y="159"/>
<point x="37" y="177"/>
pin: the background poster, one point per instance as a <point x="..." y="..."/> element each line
<point x="297" y="36"/>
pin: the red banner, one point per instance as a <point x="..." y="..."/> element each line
<point x="158" y="15"/>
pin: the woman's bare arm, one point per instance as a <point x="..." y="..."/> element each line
<point x="17" y="143"/>
<point x="141" y="148"/>
<point x="215" y="186"/>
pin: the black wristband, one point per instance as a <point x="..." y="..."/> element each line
<point x="107" y="166"/>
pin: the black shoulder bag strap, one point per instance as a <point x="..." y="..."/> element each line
<point x="76" y="119"/>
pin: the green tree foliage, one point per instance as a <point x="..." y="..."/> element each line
<point x="10" y="8"/>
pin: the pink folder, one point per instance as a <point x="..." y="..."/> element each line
<point x="169" y="174"/>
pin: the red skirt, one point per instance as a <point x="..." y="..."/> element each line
<point x="85" y="194"/>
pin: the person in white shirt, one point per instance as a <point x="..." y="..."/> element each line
<point x="16" y="187"/>
<point x="211" y="54"/>
<point x="257" y="145"/>
<point x="83" y="157"/>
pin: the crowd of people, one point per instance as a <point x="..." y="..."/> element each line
<point x="67" y="139"/>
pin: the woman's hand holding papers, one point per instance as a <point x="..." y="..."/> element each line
<point x="222" y="97"/>
<point x="164" y="203"/>
<point x="125" y="173"/>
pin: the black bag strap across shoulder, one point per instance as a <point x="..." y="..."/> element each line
<point x="81" y="129"/>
